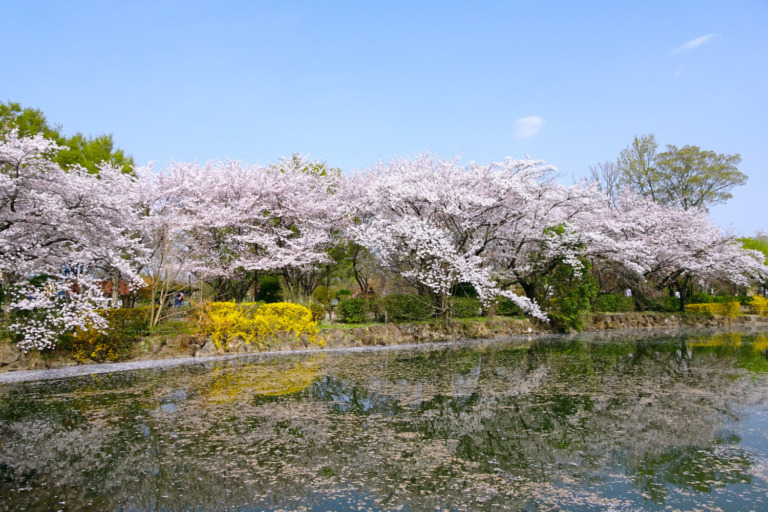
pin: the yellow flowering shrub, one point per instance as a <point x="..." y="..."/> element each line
<point x="761" y="343"/>
<point x="225" y="321"/>
<point x="230" y="385"/>
<point x="732" y="339"/>
<point x="721" y="308"/>
<point x="759" y="305"/>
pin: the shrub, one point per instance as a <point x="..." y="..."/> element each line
<point x="124" y="325"/>
<point x="317" y="310"/>
<point x="343" y="294"/>
<point x="732" y="308"/>
<point x="701" y="298"/>
<point x="464" y="290"/>
<point x="408" y="308"/>
<point x="352" y="311"/>
<point x="614" y="303"/>
<point x="320" y="295"/>
<point x="665" y="304"/>
<point x="465" y="307"/>
<point x="573" y="293"/>
<point x="506" y="307"/>
<point x="705" y="298"/>
<point x="759" y="305"/>
<point x="270" y="290"/>
<point x="224" y="321"/>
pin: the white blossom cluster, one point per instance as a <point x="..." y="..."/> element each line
<point x="60" y="306"/>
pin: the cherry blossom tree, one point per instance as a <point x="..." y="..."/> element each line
<point x="60" y="222"/>
<point x="435" y="222"/>
<point x="240" y="220"/>
<point x="50" y="217"/>
<point x="672" y="248"/>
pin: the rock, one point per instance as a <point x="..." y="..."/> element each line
<point x="167" y="352"/>
<point x="378" y="331"/>
<point x="180" y="342"/>
<point x="8" y="354"/>
<point x="393" y="331"/>
<point x="209" y="349"/>
<point x="336" y="338"/>
<point x="156" y="345"/>
<point x="236" y="344"/>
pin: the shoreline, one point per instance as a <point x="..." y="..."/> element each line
<point x="598" y="335"/>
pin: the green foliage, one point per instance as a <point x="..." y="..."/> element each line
<point x="343" y="294"/>
<point x="665" y="304"/>
<point x="124" y="327"/>
<point x="705" y="298"/>
<point x="407" y="308"/>
<point x="270" y="290"/>
<point x="465" y="307"/>
<point x="755" y="244"/>
<point x="572" y="295"/>
<point x="76" y="150"/>
<point x="352" y="311"/>
<point x="506" y="307"/>
<point x="320" y="294"/>
<point x="687" y="177"/>
<point x="464" y="290"/>
<point x="614" y="303"/>
<point x="317" y="310"/>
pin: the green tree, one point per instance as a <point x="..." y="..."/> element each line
<point x="757" y="244"/>
<point x="89" y="152"/>
<point x="637" y="167"/>
<point x="687" y="177"/>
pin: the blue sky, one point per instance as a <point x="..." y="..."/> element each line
<point x="352" y="82"/>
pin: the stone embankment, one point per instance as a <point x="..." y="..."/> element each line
<point x="392" y="334"/>
<point x="161" y="347"/>
<point x="606" y="321"/>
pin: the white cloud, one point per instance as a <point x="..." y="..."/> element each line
<point x="695" y="43"/>
<point x="527" y="127"/>
<point x="679" y="72"/>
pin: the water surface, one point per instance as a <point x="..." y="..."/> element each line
<point x="673" y="423"/>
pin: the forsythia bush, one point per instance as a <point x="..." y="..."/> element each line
<point x="224" y="321"/>
<point x="723" y="308"/>
<point x="759" y="305"/>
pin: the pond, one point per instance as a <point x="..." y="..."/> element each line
<point x="667" y="423"/>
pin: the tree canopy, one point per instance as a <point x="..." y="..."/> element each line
<point x="88" y="152"/>
<point x="687" y="177"/>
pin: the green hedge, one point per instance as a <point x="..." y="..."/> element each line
<point x="705" y="298"/>
<point x="614" y="303"/>
<point x="408" y="308"/>
<point x="352" y="311"/>
<point x="506" y="307"/>
<point x="465" y="307"/>
<point x="665" y="304"/>
<point x="270" y="290"/>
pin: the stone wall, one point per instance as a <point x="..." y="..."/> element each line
<point x="607" y="321"/>
<point x="159" y="347"/>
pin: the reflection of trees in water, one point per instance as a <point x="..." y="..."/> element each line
<point x="479" y="429"/>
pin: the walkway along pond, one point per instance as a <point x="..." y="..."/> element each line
<point x="670" y="422"/>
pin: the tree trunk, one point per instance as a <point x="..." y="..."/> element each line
<point x="115" y="287"/>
